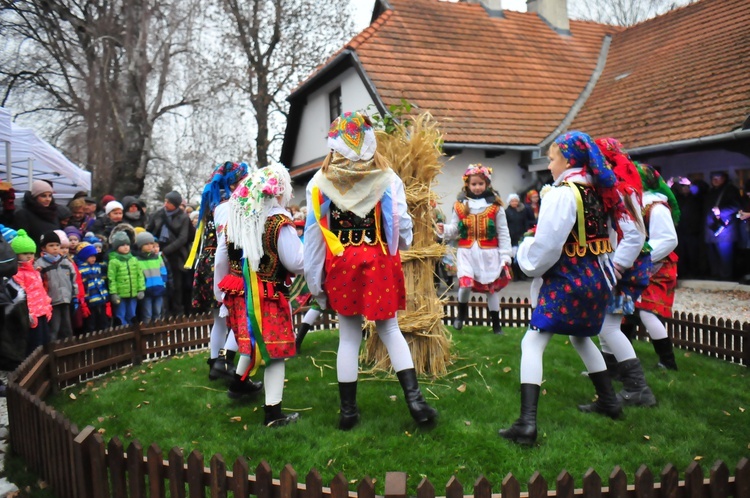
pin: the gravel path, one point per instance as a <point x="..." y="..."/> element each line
<point x="731" y="304"/>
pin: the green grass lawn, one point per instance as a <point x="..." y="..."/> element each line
<point x="703" y="414"/>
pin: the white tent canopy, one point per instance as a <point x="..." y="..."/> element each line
<point x="31" y="158"/>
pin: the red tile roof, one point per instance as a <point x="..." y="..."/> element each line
<point x="505" y="80"/>
<point x="682" y="75"/>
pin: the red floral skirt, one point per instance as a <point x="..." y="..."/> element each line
<point x="365" y="281"/>
<point x="658" y="298"/>
<point x="504" y="279"/>
<point x="237" y="321"/>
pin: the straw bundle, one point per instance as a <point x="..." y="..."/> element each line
<point x="414" y="154"/>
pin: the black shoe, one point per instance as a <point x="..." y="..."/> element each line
<point x="239" y="388"/>
<point x="664" y="349"/>
<point x="302" y="331"/>
<point x="495" y="319"/>
<point x="274" y="417"/>
<point x="606" y="403"/>
<point x="463" y="312"/>
<point x="221" y="368"/>
<point x="349" y="416"/>
<point x="418" y="407"/>
<point x="523" y="430"/>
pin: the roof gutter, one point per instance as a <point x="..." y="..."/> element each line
<point x="492" y="147"/>
<point x="693" y="142"/>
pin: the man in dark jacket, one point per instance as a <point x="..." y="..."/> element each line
<point x="720" y="209"/>
<point x="171" y="227"/>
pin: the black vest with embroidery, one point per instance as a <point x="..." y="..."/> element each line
<point x="353" y="230"/>
<point x="270" y="268"/>
<point x="596" y="225"/>
<point x="235" y="259"/>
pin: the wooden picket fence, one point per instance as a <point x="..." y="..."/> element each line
<point x="77" y="463"/>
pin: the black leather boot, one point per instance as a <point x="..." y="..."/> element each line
<point x="231" y="355"/>
<point x="495" y="319"/>
<point x="302" y="331"/>
<point x="523" y="430"/>
<point x="274" y="417"/>
<point x="220" y="369"/>
<point x="349" y="416"/>
<point x="239" y="388"/>
<point x="607" y="403"/>
<point x="463" y="312"/>
<point x="664" y="349"/>
<point x="635" y="390"/>
<point x="418" y="407"/>
<point x="611" y="362"/>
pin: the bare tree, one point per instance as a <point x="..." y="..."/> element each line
<point x="279" y="42"/>
<point x="622" y="12"/>
<point x="105" y="71"/>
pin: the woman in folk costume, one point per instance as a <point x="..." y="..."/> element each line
<point x="660" y="214"/>
<point x="632" y="263"/>
<point x="222" y="344"/>
<point x="484" y="250"/>
<point x="263" y="249"/>
<point x="569" y="259"/>
<point x="357" y="222"/>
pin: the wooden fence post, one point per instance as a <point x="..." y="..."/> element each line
<point x="83" y="462"/>
<point x="138" y="346"/>
<point x="395" y="485"/>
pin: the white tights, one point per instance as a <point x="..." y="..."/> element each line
<point x="220" y="338"/>
<point x="493" y="298"/>
<point x="273" y="378"/>
<point x="613" y="341"/>
<point x="532" y="353"/>
<point x="350" y="338"/>
<point x="654" y="326"/>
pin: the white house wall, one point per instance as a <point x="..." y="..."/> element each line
<point x="311" y="140"/>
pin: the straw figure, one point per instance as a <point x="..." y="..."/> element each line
<point x="414" y="153"/>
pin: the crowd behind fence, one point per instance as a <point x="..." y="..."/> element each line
<point x="77" y="463"/>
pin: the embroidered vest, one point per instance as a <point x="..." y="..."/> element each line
<point x="478" y="227"/>
<point x="270" y="269"/>
<point x="596" y="228"/>
<point x="235" y="259"/>
<point x="647" y="215"/>
<point x="355" y="231"/>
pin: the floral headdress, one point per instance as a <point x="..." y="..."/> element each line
<point x="621" y="164"/>
<point x="653" y="182"/>
<point x="478" y="170"/>
<point x="352" y="136"/>
<point x="249" y="206"/>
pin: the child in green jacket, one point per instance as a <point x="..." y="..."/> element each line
<point x="126" y="282"/>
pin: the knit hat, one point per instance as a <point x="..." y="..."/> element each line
<point x="144" y="238"/>
<point x="39" y="187"/>
<point x="8" y="233"/>
<point x="512" y="197"/>
<point x="85" y="253"/>
<point x="64" y="242"/>
<point x="91" y="238"/>
<point x="23" y="244"/>
<point x="71" y="230"/>
<point x="106" y="199"/>
<point x="49" y="238"/>
<point x="64" y="212"/>
<point x="119" y="239"/>
<point x="111" y="206"/>
<point x="138" y="230"/>
<point x="174" y="198"/>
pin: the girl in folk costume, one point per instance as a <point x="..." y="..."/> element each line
<point x="569" y="259"/>
<point x="484" y="250"/>
<point x="660" y="214"/>
<point x="358" y="221"/>
<point x="632" y="263"/>
<point x="222" y="344"/>
<point x="262" y="245"/>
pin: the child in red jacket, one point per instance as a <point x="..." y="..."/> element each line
<point x="37" y="299"/>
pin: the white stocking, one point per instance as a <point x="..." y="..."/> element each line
<point x="273" y="381"/>
<point x="589" y="353"/>
<point x="493" y="301"/>
<point x="532" y="353"/>
<point x="350" y="338"/>
<point x="231" y="344"/>
<point x="218" y="334"/>
<point x="464" y="293"/>
<point x="655" y="328"/>
<point x="311" y="316"/>
<point x="613" y="341"/>
<point x="398" y="349"/>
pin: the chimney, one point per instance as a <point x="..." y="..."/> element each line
<point x="553" y="12"/>
<point x="493" y="7"/>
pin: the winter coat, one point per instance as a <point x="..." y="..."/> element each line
<point x="37" y="299"/>
<point x="175" y="246"/>
<point x="155" y="273"/>
<point x="59" y="279"/>
<point x="94" y="283"/>
<point x="137" y="219"/>
<point x="519" y="221"/>
<point x="36" y="219"/>
<point x="125" y="276"/>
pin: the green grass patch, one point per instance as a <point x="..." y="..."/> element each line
<point x="703" y="414"/>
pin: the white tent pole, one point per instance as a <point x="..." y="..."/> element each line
<point x="31" y="172"/>
<point x="8" y="165"/>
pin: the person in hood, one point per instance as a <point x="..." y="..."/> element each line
<point x="134" y="211"/>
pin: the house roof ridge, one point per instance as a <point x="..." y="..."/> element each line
<point x="367" y="33"/>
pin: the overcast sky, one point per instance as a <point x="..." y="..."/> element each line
<point x="363" y="10"/>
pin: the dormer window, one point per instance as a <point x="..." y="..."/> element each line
<point x="334" y="104"/>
